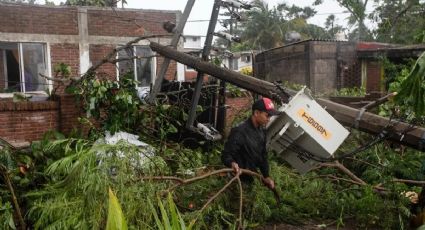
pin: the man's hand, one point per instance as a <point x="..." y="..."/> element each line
<point x="235" y="167"/>
<point x="268" y="181"/>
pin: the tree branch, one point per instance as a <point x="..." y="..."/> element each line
<point x="212" y="199"/>
<point x="354" y="178"/>
<point x="415" y="182"/>
<point x="4" y="172"/>
<point x="343" y="169"/>
<point x="180" y="182"/>
<point x="240" y="220"/>
<point x="194" y="179"/>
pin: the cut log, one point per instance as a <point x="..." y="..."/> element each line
<point x="400" y="132"/>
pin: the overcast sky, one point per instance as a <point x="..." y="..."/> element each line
<point x="202" y="11"/>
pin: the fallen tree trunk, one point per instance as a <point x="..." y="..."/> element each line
<point x="400" y="132"/>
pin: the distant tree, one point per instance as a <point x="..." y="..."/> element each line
<point x="49" y="3"/>
<point x="399" y="21"/>
<point x="264" y="28"/>
<point x="292" y="12"/>
<point x="332" y="29"/>
<point x="231" y="25"/>
<point x="357" y="8"/>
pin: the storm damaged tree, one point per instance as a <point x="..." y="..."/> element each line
<point x="332" y="28"/>
<point x="357" y="9"/>
<point x="264" y="29"/>
<point x="399" y="21"/>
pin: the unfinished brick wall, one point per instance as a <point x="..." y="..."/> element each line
<point x="171" y="73"/>
<point x="69" y="110"/>
<point x="24" y="18"/>
<point x="97" y="53"/>
<point x="190" y="75"/>
<point x="236" y="106"/>
<point x="68" y="54"/>
<point x="34" y="21"/>
<point x="27" y="121"/>
<point x="133" y="23"/>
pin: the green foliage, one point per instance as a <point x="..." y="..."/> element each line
<point x="294" y="86"/>
<point x="116" y="219"/>
<point x="357" y="17"/>
<point x="395" y="74"/>
<point x="412" y="89"/>
<point x="170" y="218"/>
<point x="6" y="214"/>
<point x="78" y="183"/>
<point x="263" y="30"/>
<point x="234" y="90"/>
<point x="114" y="104"/>
<point x="62" y="69"/>
<point x="162" y="121"/>
<point x="352" y="92"/>
<point x="394" y="21"/>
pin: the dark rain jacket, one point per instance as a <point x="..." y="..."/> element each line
<point x="246" y="146"/>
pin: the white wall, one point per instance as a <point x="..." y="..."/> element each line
<point x="192" y="42"/>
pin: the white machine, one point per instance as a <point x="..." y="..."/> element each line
<point x="304" y="132"/>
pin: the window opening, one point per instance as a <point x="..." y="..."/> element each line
<point x="20" y="67"/>
<point x="142" y="68"/>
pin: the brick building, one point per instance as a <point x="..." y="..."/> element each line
<point x="33" y="39"/>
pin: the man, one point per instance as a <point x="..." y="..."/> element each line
<point x="246" y="145"/>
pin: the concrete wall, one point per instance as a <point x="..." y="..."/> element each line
<point x="289" y="63"/>
<point x="193" y="42"/>
<point x="323" y="66"/>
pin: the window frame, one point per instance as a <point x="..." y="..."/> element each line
<point x="134" y="62"/>
<point x="21" y="63"/>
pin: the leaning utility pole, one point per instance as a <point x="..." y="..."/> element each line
<point x="400" y="132"/>
<point x="205" y="53"/>
<point x="175" y="40"/>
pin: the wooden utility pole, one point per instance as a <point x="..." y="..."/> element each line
<point x="400" y="132"/>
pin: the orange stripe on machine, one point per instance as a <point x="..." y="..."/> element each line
<point x="313" y="123"/>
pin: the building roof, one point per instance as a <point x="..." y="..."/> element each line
<point x="399" y="51"/>
<point x="304" y="41"/>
